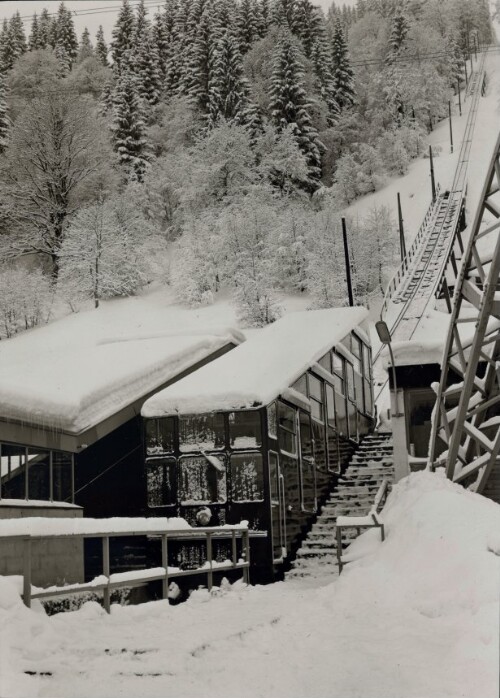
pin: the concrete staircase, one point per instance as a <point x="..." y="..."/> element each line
<point x="353" y="495"/>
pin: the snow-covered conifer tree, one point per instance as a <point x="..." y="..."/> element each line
<point x="65" y="33"/>
<point x="198" y="64"/>
<point x="101" y="48"/>
<point x="129" y="132"/>
<point x="44" y="29"/>
<point x="343" y="75"/>
<point x="284" y="14"/>
<point x="399" y="31"/>
<point x="248" y="23"/>
<point x="228" y="89"/>
<point x="289" y="103"/>
<point x="320" y="60"/>
<point x="266" y="14"/>
<point x="34" y="42"/>
<point x="64" y="61"/>
<point x="307" y="24"/>
<point x="86" y="50"/>
<point x="5" y="58"/>
<point x="123" y="33"/>
<point x="17" y="36"/>
<point x="4" y="119"/>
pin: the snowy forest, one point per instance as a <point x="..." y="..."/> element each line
<point x="214" y="147"/>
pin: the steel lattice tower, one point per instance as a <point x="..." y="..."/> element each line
<point x="466" y="418"/>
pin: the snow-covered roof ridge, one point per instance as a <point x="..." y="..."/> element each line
<point x="73" y="374"/>
<point x="258" y="371"/>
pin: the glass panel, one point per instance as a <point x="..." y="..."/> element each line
<point x="161" y="482"/>
<point x="319" y="446"/>
<point x="353" y="420"/>
<point x="247" y="477"/>
<point x="346" y="342"/>
<point x="159" y="435"/>
<point x="308" y="475"/>
<point x="316" y="410"/>
<point x="201" y="482"/>
<point x="356" y="346"/>
<point x="301" y="385"/>
<point x="287" y="428"/>
<point x="272" y="421"/>
<point x="350" y="381"/>
<point x="244" y="430"/>
<point x="273" y="476"/>
<point x="38" y="474"/>
<point x="315" y="388"/>
<point x="13" y="470"/>
<point x="61" y="476"/>
<point x="366" y="361"/>
<point x="278" y="535"/>
<point x="368" y="396"/>
<point x="326" y="362"/>
<point x="333" y="450"/>
<point x="358" y="382"/>
<point x="201" y="432"/>
<point x="338" y="364"/>
<point x="330" y="405"/>
<point x="341" y="410"/>
<point x="306" y="445"/>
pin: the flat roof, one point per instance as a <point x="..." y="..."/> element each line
<point x="76" y="372"/>
<point x="258" y="371"/>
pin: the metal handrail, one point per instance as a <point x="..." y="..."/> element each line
<point x="371" y="520"/>
<point x="107" y="582"/>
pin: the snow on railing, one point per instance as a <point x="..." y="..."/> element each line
<point x="107" y="582"/>
<point x="371" y="520"/>
<point x="410" y="255"/>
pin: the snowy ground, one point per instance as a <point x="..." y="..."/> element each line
<point x="416" y="616"/>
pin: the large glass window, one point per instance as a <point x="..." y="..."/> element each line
<point x="38" y="474"/>
<point x="351" y="393"/>
<point x="326" y="362"/>
<point x="62" y="476"/>
<point x="316" y="398"/>
<point x="307" y="464"/>
<point x="159" y="436"/>
<point x="341" y="413"/>
<point x="161" y="482"/>
<point x="244" y="430"/>
<point x="287" y="429"/>
<point x="247" y="477"/>
<point x="301" y="385"/>
<point x="356" y="349"/>
<point x="272" y="420"/>
<point x="319" y="446"/>
<point x="338" y="371"/>
<point x="202" y="480"/>
<point x="13" y="469"/>
<point x="367" y="364"/>
<point x="330" y="405"/>
<point x="202" y="432"/>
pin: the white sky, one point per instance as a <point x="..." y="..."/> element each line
<point x="105" y="11"/>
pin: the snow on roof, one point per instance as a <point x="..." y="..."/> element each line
<point x="71" y="374"/>
<point x="259" y="370"/>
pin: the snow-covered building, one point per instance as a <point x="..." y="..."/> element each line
<point x="261" y="433"/>
<point x="70" y="426"/>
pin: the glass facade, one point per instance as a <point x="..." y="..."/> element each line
<point x="35" y="474"/>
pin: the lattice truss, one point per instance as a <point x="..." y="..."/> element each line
<point x="466" y="418"/>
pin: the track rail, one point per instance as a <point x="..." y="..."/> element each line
<point x="420" y="285"/>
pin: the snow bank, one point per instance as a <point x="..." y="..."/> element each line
<point x="259" y="370"/>
<point x="414" y="616"/>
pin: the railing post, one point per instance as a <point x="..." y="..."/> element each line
<point x="105" y="571"/>
<point x="246" y="570"/>
<point x="27" y="571"/>
<point x="164" y="562"/>
<point x="210" y="576"/>
<point x="233" y="546"/>
<point x="339" y="548"/>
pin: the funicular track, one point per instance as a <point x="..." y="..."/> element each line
<point x="418" y="281"/>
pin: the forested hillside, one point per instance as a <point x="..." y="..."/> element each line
<point x="214" y="146"/>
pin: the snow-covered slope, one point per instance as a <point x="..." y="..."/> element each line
<point x="414" y="617"/>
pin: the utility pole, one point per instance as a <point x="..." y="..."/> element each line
<point x="433" y="182"/>
<point x="451" y="127"/>
<point x="466" y="76"/>
<point x="347" y="264"/>
<point x="459" y="97"/>
<point x="402" y="243"/>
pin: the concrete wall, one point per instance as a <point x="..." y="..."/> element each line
<point x="53" y="560"/>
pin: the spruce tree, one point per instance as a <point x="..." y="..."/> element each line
<point x="65" y="34"/>
<point x="228" y="93"/>
<point x="147" y="68"/>
<point x="320" y="60"/>
<point x="4" y="119"/>
<point x="343" y="75"/>
<point x="44" y="29"/>
<point x="101" y="48"/>
<point x="289" y="103"/>
<point x="64" y="61"/>
<point x="266" y="14"/>
<point x="86" y="49"/>
<point x="17" y="35"/>
<point x="5" y="47"/>
<point x="248" y="24"/>
<point x="399" y="32"/>
<point x="307" y="24"/>
<point x="129" y="132"/>
<point x="198" y="61"/>
<point x="284" y="14"/>
<point x="123" y="33"/>
<point x="34" y="39"/>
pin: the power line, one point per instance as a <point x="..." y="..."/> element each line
<point x="100" y="10"/>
